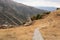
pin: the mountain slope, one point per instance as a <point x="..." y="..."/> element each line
<point x="49" y="27"/>
<point x="16" y="13"/>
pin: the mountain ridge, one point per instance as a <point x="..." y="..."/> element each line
<point x="17" y="12"/>
<point x="47" y="8"/>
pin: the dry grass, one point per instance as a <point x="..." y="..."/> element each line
<point x="49" y="27"/>
<point x="52" y="31"/>
<point x="18" y="33"/>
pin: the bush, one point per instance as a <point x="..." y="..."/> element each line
<point x="57" y="8"/>
<point x="47" y="12"/>
<point x="38" y="16"/>
<point x="33" y="18"/>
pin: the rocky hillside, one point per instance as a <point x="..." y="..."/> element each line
<point x="16" y="13"/>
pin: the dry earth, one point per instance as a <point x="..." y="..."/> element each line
<point x="49" y="27"/>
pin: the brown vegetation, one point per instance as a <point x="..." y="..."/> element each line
<point x="49" y="27"/>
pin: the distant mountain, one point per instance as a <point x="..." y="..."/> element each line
<point x="47" y="8"/>
<point x="16" y="13"/>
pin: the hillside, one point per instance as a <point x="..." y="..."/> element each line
<point x="51" y="30"/>
<point x="16" y="13"/>
<point x="49" y="27"/>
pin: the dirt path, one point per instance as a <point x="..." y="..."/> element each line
<point x="37" y="35"/>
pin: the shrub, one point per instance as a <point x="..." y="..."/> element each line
<point x="57" y="8"/>
<point x="38" y="16"/>
<point x="33" y="18"/>
<point x="47" y="12"/>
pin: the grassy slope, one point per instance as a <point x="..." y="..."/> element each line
<point x="52" y="31"/>
<point x="49" y="27"/>
<point x="19" y="33"/>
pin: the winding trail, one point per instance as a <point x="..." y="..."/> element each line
<point x="37" y="35"/>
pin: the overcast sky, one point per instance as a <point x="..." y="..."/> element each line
<point x="47" y="3"/>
